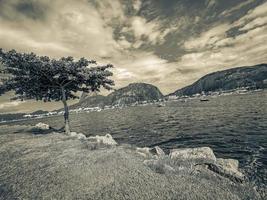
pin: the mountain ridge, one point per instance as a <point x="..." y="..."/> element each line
<point x="132" y="93"/>
<point x="252" y="77"/>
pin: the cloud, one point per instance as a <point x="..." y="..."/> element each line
<point x="141" y="27"/>
<point x="137" y="4"/>
<point x="146" y="32"/>
<point x="237" y="7"/>
<point x="146" y="67"/>
<point x="208" y="38"/>
<point x="254" y="18"/>
<point x="243" y="50"/>
<point x="210" y="3"/>
<point x="255" y="23"/>
<point x="215" y="50"/>
<point x="166" y="43"/>
<point x="73" y="28"/>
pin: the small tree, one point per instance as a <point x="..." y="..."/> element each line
<point x="42" y="78"/>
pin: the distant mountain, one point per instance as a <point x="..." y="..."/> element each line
<point x="39" y="112"/>
<point x="135" y="92"/>
<point x="253" y="77"/>
<point x="91" y="101"/>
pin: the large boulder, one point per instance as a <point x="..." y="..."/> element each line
<point x="81" y="136"/>
<point x="144" y="152"/>
<point x="195" y="155"/>
<point x="155" y="152"/>
<point x="106" y="140"/>
<point x="42" y="126"/>
<point x="228" y="168"/>
<point x="73" y="134"/>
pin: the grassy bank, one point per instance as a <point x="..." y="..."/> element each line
<point x="55" y="166"/>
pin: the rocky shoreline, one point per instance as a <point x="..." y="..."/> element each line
<point x="56" y="166"/>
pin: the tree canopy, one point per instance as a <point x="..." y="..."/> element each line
<point x="42" y="78"/>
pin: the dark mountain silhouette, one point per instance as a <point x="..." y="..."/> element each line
<point x="251" y="77"/>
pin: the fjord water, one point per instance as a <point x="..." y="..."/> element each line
<point x="234" y="126"/>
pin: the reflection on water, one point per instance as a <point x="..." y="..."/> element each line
<point x="233" y="126"/>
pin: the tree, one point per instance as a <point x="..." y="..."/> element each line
<point x="42" y="78"/>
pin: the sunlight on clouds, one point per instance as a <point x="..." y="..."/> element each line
<point x="255" y="23"/>
<point x="214" y="50"/>
<point x="137" y="41"/>
<point x="208" y="38"/>
<point x="144" y="30"/>
<point x="137" y="4"/>
<point x="253" y="17"/>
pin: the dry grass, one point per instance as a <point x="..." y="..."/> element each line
<point x="55" y="166"/>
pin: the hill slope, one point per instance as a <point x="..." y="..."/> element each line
<point x="254" y="77"/>
<point x="135" y="92"/>
<point x="55" y="166"/>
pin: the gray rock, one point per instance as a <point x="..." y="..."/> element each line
<point x="198" y="155"/>
<point x="144" y="152"/>
<point x="42" y="126"/>
<point x="106" y="140"/>
<point x="228" y="168"/>
<point x="73" y="134"/>
<point x="81" y="136"/>
<point x="157" y="151"/>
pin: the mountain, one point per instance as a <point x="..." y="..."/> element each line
<point x="253" y="77"/>
<point x="135" y="92"/>
<point x="91" y="101"/>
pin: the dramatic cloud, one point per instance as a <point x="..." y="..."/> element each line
<point x="167" y="43"/>
<point x="215" y="49"/>
<point x="237" y="7"/>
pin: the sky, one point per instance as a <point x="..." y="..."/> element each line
<point x="168" y="43"/>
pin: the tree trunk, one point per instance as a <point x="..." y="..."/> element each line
<point x="66" y="113"/>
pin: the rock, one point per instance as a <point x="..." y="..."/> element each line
<point x="230" y="164"/>
<point x="107" y="140"/>
<point x="73" y="134"/>
<point x="145" y="151"/>
<point x="157" y="151"/>
<point x="202" y="154"/>
<point x="42" y="126"/>
<point x="81" y="136"/>
<point x="228" y="168"/>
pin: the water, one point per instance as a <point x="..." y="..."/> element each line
<point x="233" y="126"/>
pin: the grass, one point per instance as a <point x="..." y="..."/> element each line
<point x="54" y="166"/>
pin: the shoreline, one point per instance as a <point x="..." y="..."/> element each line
<point x="98" y="109"/>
